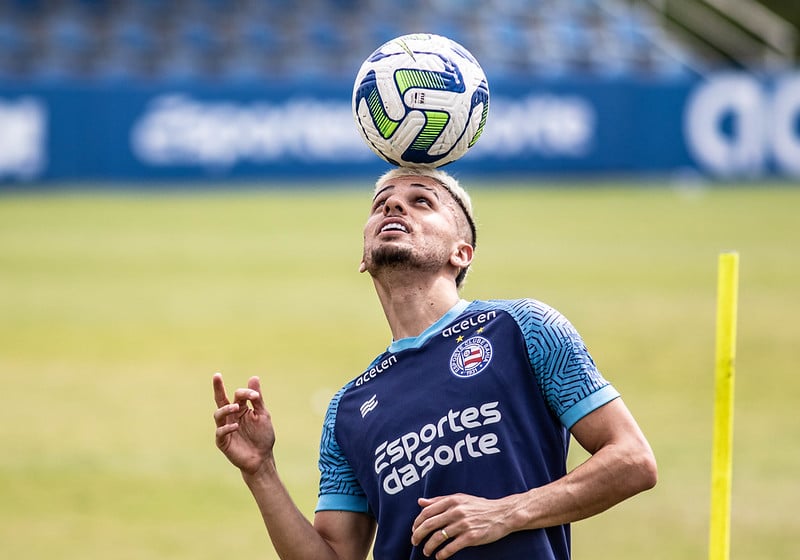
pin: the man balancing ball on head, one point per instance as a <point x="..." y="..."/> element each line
<point x="453" y="442"/>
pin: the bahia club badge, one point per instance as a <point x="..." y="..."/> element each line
<point x="471" y="357"/>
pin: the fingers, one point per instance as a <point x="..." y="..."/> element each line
<point x="224" y="407"/>
<point x="447" y="524"/>
<point x="428" y="524"/>
<point x="254" y="384"/>
<point x="251" y="394"/>
<point x="427" y="512"/>
<point x="225" y="417"/>
<point x="223" y="431"/>
<point x="439" y="528"/>
<point x="224" y="414"/>
<point x="247" y="395"/>
<point x="442" y="540"/>
<point x="219" y="390"/>
<point x="229" y="414"/>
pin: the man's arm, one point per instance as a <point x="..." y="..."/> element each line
<point x="335" y="535"/>
<point x="246" y="436"/>
<point x="621" y="465"/>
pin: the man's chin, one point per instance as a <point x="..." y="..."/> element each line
<point x="391" y="256"/>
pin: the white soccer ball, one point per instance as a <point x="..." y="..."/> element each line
<point x="420" y="100"/>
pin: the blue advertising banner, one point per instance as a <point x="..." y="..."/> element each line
<point x="733" y="125"/>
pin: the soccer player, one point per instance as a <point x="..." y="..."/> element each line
<point x="453" y="442"/>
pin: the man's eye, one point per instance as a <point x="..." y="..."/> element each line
<point x="423" y="200"/>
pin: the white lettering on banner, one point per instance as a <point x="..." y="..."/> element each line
<point x="546" y="125"/>
<point x="786" y="124"/>
<point x="177" y="130"/>
<point x="738" y="99"/>
<point x="23" y="135"/>
<point x="410" y="457"/>
<point x="762" y="126"/>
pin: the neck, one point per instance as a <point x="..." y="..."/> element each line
<point x="411" y="307"/>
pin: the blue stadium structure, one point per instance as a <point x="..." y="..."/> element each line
<point x="158" y="41"/>
<point x="138" y="90"/>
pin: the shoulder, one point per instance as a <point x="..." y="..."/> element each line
<point x="520" y="306"/>
<point x="561" y="363"/>
<point x="333" y="405"/>
<point x="329" y="442"/>
<point x="532" y="316"/>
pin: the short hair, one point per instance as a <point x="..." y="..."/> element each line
<point x="451" y="185"/>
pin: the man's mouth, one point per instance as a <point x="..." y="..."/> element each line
<point x="394" y="226"/>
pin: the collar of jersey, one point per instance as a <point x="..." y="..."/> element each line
<point x="434" y="329"/>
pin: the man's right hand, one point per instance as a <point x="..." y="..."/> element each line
<point x="244" y="428"/>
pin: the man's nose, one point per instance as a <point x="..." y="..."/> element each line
<point x="393" y="204"/>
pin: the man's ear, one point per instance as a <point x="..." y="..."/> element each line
<point x="462" y="256"/>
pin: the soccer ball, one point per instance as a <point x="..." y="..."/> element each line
<point x="420" y="100"/>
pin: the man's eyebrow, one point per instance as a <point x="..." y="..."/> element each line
<point x="386" y="188"/>
<point x="426" y="187"/>
<point x="417" y="185"/>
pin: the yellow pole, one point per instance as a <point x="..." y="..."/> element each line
<point x="721" y="463"/>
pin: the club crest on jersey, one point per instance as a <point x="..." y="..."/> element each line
<point x="471" y="357"/>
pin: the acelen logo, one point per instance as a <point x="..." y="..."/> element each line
<point x="406" y="460"/>
<point x="466" y="324"/>
<point x="373" y="372"/>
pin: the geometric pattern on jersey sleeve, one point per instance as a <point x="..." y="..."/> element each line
<point x="564" y="369"/>
<point x="336" y="474"/>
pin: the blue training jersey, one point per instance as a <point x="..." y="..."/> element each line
<point x="480" y="403"/>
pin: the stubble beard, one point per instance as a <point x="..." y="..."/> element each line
<point x="391" y="257"/>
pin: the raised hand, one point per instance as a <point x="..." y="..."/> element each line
<point x="244" y="428"/>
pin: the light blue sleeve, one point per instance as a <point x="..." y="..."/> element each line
<point x="338" y="487"/>
<point x="565" y="371"/>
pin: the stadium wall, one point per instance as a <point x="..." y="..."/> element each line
<point x="727" y="125"/>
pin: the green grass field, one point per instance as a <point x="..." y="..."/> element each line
<point x="116" y="309"/>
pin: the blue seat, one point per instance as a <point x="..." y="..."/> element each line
<point x="247" y="66"/>
<point x="182" y="64"/>
<point x="258" y="35"/>
<point x="251" y="41"/>
<point x="72" y="33"/>
<point x="199" y="35"/>
<point x="13" y="39"/>
<point x="135" y="36"/>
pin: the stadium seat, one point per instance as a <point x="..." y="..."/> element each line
<point x="16" y="48"/>
<point x="146" y="39"/>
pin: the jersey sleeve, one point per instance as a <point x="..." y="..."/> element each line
<point x="338" y="487"/>
<point x="570" y="382"/>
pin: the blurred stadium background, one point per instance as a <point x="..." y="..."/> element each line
<point x="182" y="191"/>
<point x="159" y="40"/>
<point x="154" y="89"/>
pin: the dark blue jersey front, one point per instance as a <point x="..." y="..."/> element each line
<point x="480" y="403"/>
